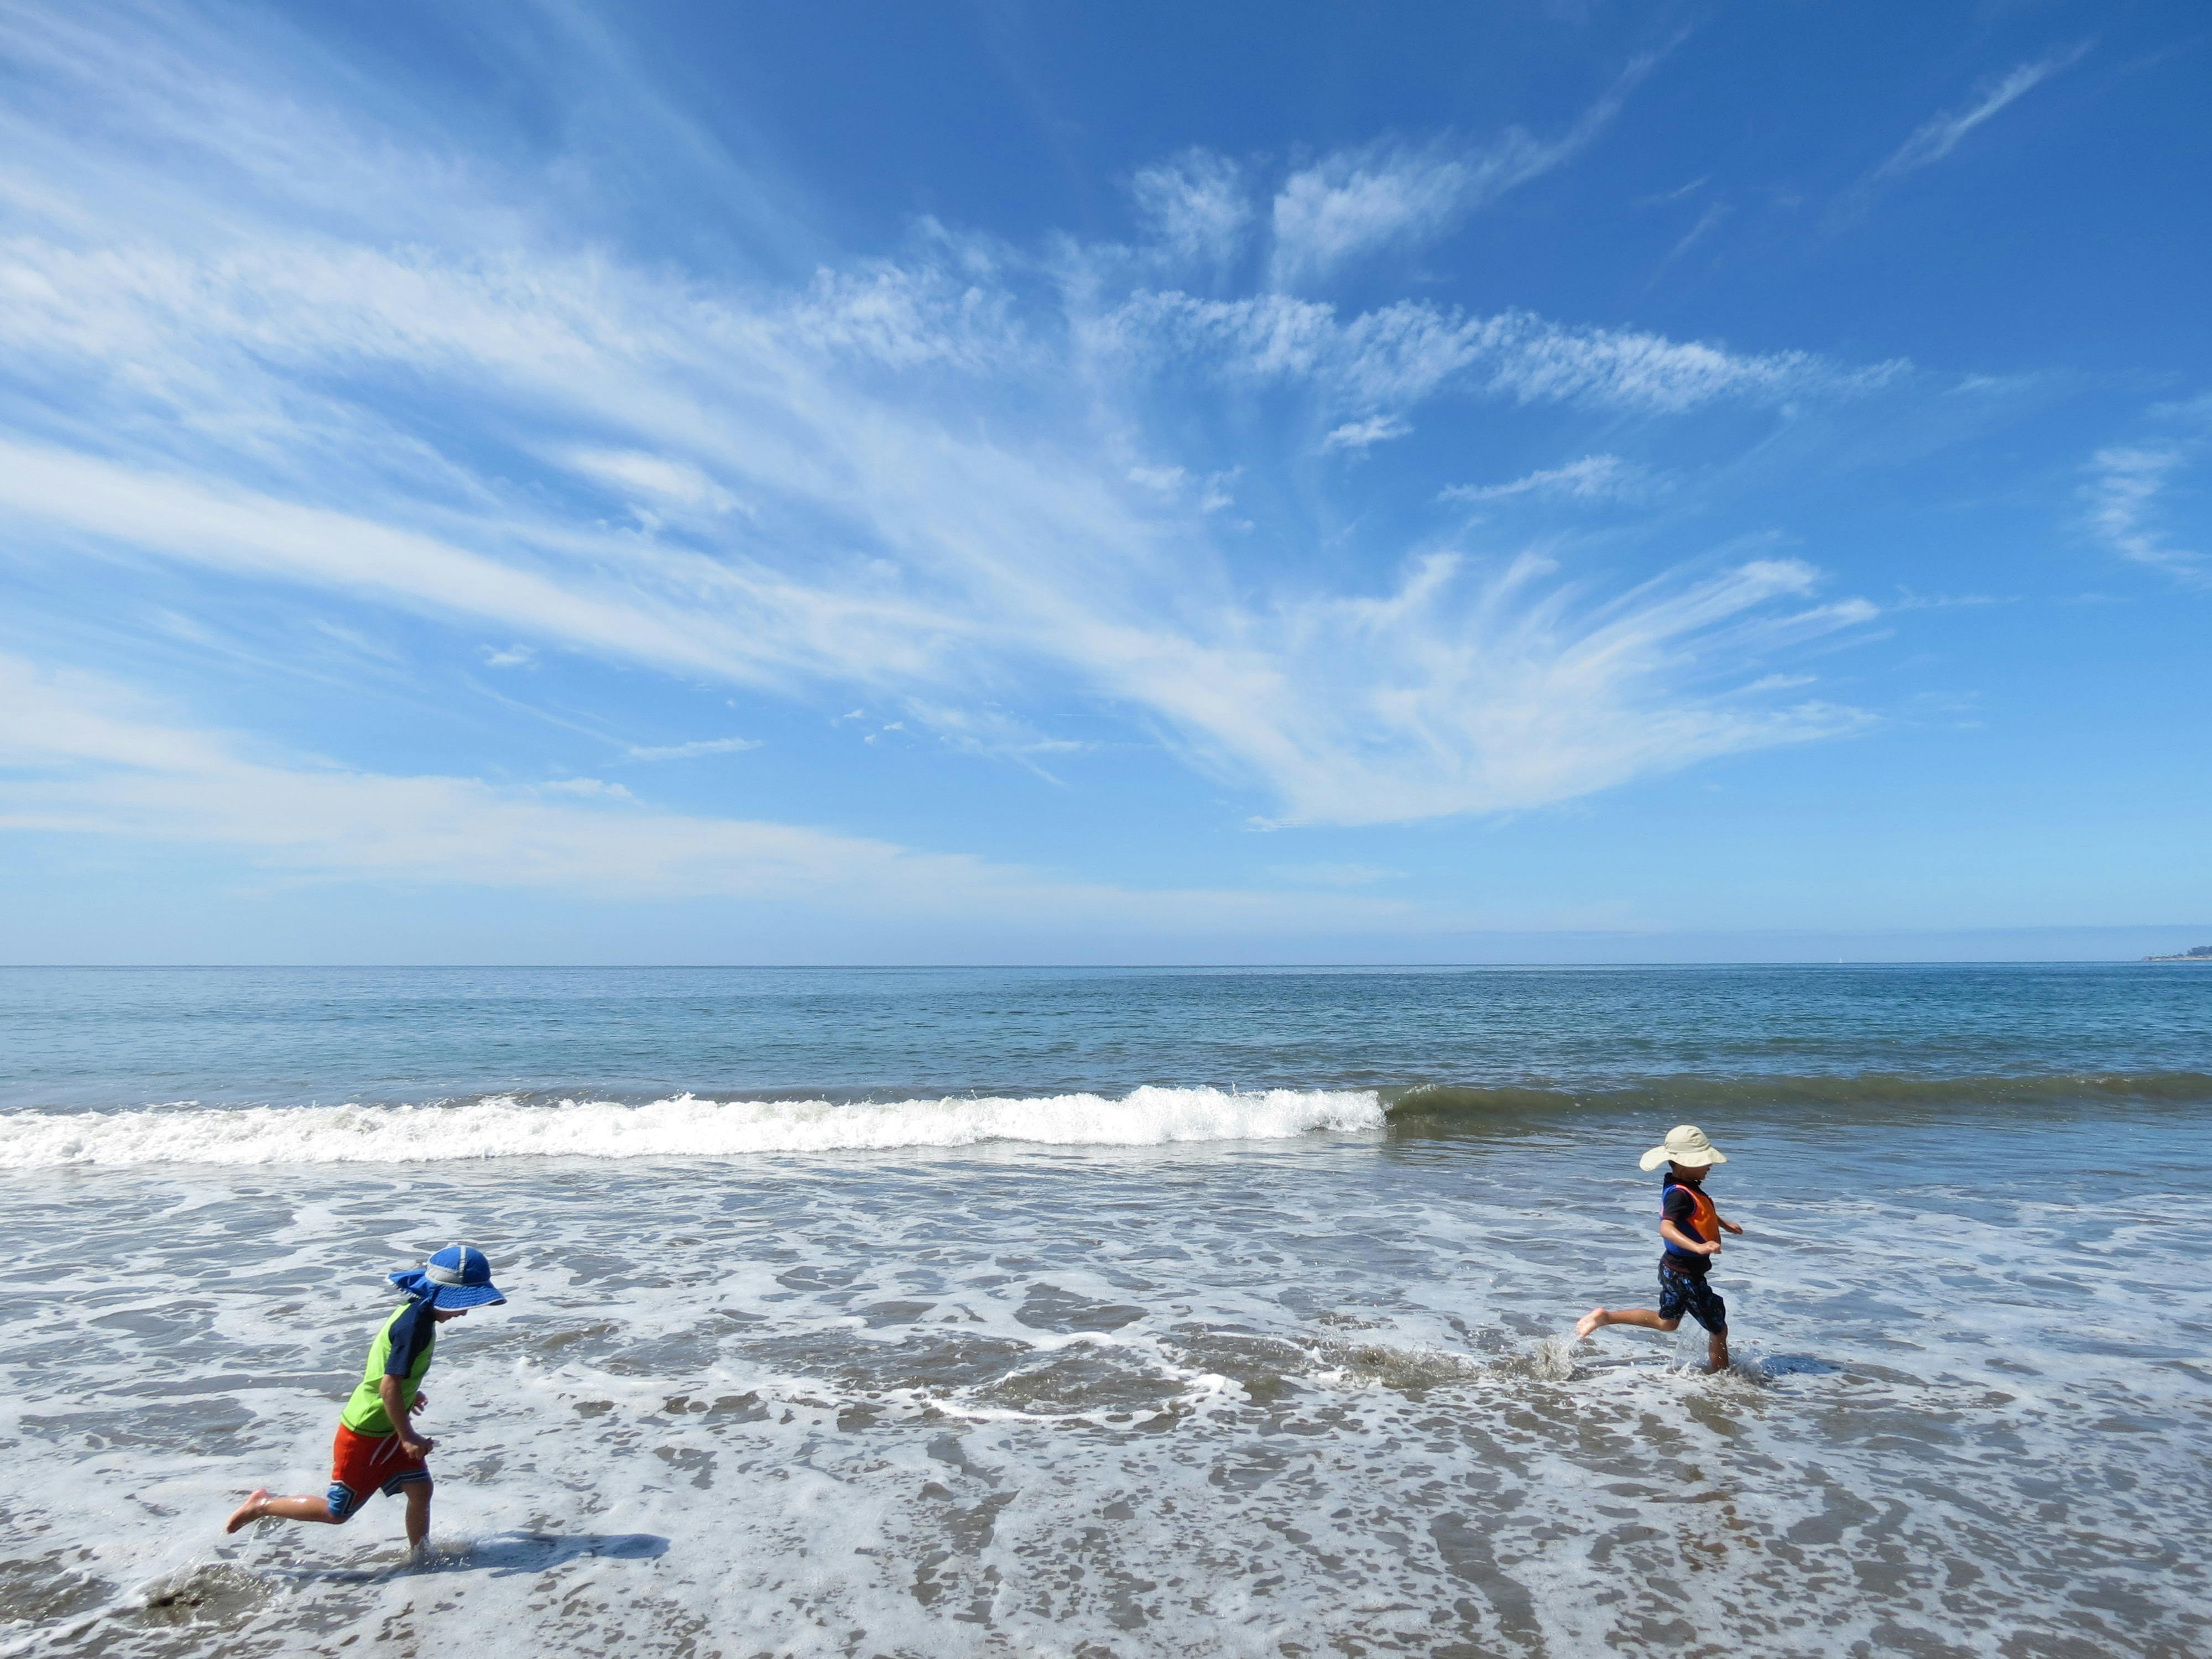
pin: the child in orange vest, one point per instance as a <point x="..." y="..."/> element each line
<point x="1692" y="1228"/>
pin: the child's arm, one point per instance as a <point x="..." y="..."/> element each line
<point x="1682" y="1240"/>
<point x="1726" y="1225"/>
<point x="392" y="1390"/>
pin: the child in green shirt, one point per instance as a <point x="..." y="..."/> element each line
<point x="377" y="1447"/>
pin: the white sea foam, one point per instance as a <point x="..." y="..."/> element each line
<point x="1311" y="1390"/>
<point x="500" y="1126"/>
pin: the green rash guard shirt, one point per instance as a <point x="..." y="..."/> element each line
<point x="402" y="1349"/>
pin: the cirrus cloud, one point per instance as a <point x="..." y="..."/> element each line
<point x="931" y="477"/>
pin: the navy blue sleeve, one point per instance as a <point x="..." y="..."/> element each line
<point x="410" y="1334"/>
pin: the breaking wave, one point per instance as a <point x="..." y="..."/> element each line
<point x="502" y="1126"/>
<point x="686" y="1126"/>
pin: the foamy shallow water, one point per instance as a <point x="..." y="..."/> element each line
<point x="1293" y="1395"/>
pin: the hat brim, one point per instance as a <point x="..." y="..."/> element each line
<point x="1658" y="1155"/>
<point x="465" y="1296"/>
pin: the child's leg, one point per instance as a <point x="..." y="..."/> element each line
<point x="1673" y="1297"/>
<point x="418" y="1513"/>
<point x="283" y="1508"/>
<point x="1712" y="1312"/>
<point x="1598" y="1318"/>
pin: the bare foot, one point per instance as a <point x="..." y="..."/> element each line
<point x="1590" y="1321"/>
<point x="249" y="1510"/>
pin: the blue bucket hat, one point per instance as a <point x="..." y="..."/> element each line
<point x="459" y="1276"/>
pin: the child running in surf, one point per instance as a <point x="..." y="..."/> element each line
<point x="377" y="1448"/>
<point x="1692" y="1228"/>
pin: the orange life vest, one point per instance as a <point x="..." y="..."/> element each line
<point x="1704" y="1220"/>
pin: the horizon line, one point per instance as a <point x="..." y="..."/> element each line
<point x="992" y="967"/>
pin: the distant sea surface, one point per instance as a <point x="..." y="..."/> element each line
<point x="1079" y="1311"/>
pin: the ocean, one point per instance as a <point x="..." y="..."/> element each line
<point x="1115" y="1312"/>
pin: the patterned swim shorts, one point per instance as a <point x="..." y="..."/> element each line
<point x="363" y="1463"/>
<point x="1680" y="1292"/>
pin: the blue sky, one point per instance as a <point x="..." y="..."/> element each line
<point x="734" y="483"/>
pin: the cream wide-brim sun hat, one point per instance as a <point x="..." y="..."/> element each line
<point x="1686" y="1145"/>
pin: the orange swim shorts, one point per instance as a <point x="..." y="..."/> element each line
<point x="363" y="1463"/>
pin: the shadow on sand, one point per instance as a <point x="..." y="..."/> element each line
<point x="503" y="1555"/>
<point x="1794" y="1365"/>
<point x="506" y="1554"/>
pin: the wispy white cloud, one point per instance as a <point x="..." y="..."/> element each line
<point x="1708" y="222"/>
<point x="1906" y="599"/>
<point x="1400" y="354"/>
<point x="1936" y="139"/>
<point x="2124" y="495"/>
<point x="934" y="456"/>
<point x="656" y="477"/>
<point x="945" y="599"/>
<point x="1356" y="201"/>
<point x="690" y="750"/>
<point x="1393" y="194"/>
<point x="88" y="760"/>
<point x="758" y="627"/>
<point x="1665" y="197"/>
<point x="992" y="733"/>
<point x="1640" y="371"/>
<point x="1195" y="205"/>
<point x="1941" y="134"/>
<point x="1334" y="875"/>
<point x="1593" y="477"/>
<point x="1365" y="435"/>
<point x="512" y="656"/>
<point x="1503" y="687"/>
<point x="943" y="311"/>
<point x="84" y="756"/>
<point x="1209" y="493"/>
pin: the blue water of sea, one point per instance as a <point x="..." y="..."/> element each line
<point x="108" y="1037"/>
<point x="1130" y="1312"/>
